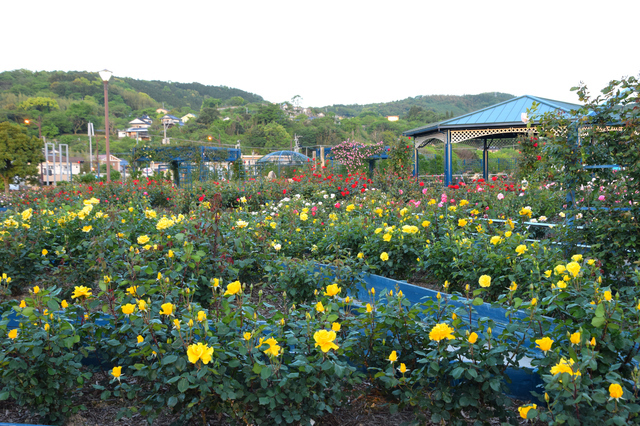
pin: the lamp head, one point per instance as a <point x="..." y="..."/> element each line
<point x="105" y="75"/>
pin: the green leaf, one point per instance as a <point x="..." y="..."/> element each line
<point x="257" y="368"/>
<point x="597" y="321"/>
<point x="5" y="395"/>
<point x="53" y="305"/>
<point x="183" y="385"/>
<point x="169" y="359"/>
<point x="172" y="401"/>
<point x="477" y="301"/>
<point x="264" y="400"/>
<point x="600" y="310"/>
<point x="265" y="373"/>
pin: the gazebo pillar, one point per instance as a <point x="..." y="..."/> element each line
<point x="448" y="163"/>
<point x="485" y="160"/>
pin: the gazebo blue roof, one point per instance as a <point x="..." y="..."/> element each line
<point x="507" y="113"/>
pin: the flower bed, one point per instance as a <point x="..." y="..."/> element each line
<point x="195" y="341"/>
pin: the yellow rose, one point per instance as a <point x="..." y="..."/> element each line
<point x="544" y="344"/>
<point x="167" y="309"/>
<point x="324" y="339"/>
<point x="575" y="338"/>
<point x="384" y="256"/>
<point x="521" y="249"/>
<point x="81" y="291"/>
<point x="484" y="281"/>
<point x="332" y="290"/>
<point x="128" y="308"/>
<point x="233" y="288"/>
<point x="615" y="391"/>
<point x="201" y="352"/>
<point x="441" y="331"/>
<point x="524" y="410"/>
<point x="116" y="372"/>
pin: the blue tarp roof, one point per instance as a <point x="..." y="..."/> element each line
<point x="503" y="114"/>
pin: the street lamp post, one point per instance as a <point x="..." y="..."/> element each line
<point x="105" y="75"/>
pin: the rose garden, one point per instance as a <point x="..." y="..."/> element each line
<point x="247" y="302"/>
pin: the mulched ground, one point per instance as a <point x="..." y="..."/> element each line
<point x="365" y="410"/>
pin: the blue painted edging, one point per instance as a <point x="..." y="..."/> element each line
<point x="18" y="424"/>
<point x="524" y="380"/>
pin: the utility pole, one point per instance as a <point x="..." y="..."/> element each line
<point x="91" y="133"/>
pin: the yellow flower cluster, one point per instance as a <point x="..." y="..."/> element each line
<point x="410" y="229"/>
<point x="440" y="332"/>
<point x="164" y="223"/>
<point x="199" y="352"/>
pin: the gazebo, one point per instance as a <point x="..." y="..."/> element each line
<point x="281" y="159"/>
<point x="507" y="119"/>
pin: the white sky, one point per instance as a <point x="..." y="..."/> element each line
<point x="335" y="52"/>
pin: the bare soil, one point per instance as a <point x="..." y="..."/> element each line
<point x="367" y="407"/>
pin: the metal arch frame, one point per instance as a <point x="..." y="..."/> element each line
<point x="177" y="155"/>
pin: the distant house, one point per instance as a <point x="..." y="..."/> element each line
<point x="136" y="133"/>
<point x="141" y="122"/>
<point x="116" y="163"/>
<point x="138" y="128"/>
<point x="187" y="117"/>
<point x="52" y="172"/>
<point x="162" y="111"/>
<point x="171" y="120"/>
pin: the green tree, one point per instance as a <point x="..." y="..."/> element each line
<point x="276" y="136"/>
<point x="270" y="113"/>
<point x="19" y="153"/>
<point x="79" y="114"/>
<point x="208" y="116"/>
<point x="235" y="101"/>
<point x="211" y="103"/>
<point x="40" y="106"/>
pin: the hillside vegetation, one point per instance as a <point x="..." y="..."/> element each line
<point x="60" y="104"/>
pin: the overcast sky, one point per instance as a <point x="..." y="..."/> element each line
<point x="334" y="52"/>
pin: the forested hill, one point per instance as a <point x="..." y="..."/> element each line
<point x="179" y="95"/>
<point x="136" y="94"/>
<point x="448" y="105"/>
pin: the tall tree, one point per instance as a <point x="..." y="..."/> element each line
<point x="42" y="105"/>
<point x="19" y="153"/>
